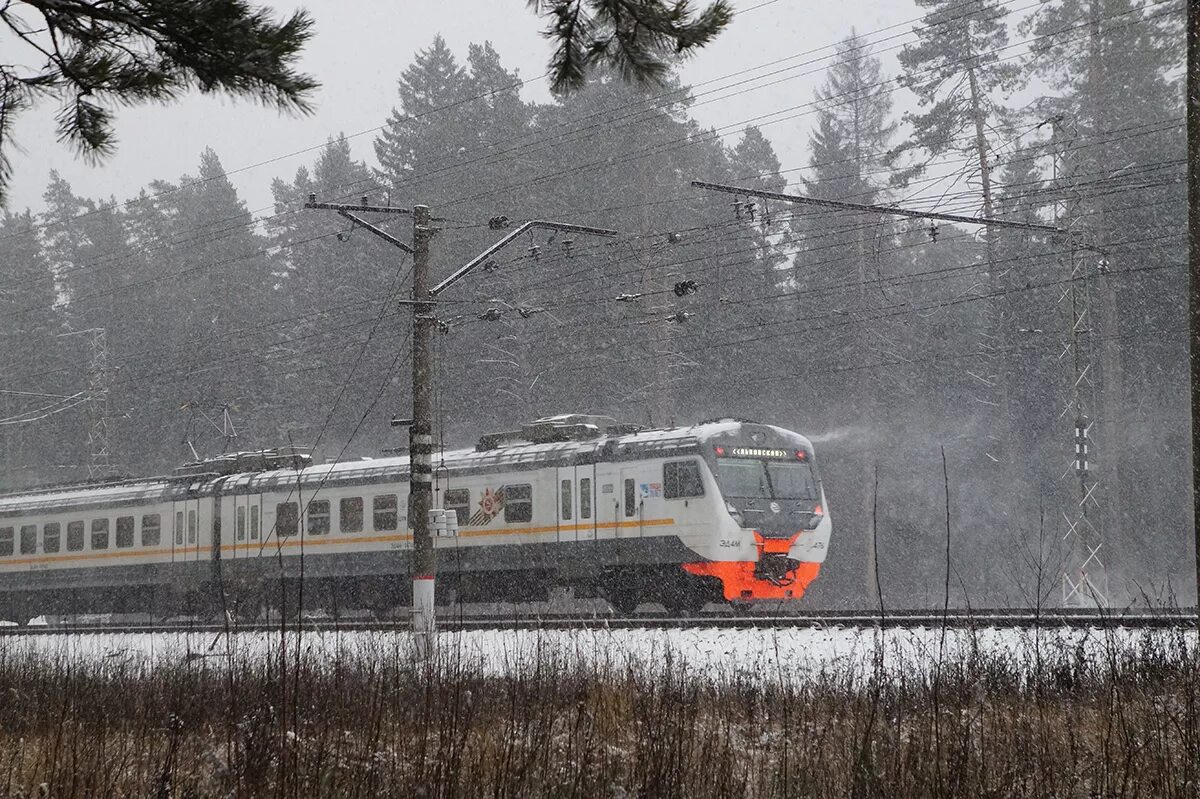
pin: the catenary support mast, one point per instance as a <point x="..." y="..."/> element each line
<point x="1193" y="146"/>
<point x="420" y="436"/>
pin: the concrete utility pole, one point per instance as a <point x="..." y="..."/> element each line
<point x="1193" y="137"/>
<point x="420" y="436"/>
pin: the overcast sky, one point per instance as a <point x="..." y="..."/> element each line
<point x="360" y="48"/>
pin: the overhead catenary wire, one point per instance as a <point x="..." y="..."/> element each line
<point x="453" y="104"/>
<point x="882" y="82"/>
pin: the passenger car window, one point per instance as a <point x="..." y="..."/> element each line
<point x="585" y="497"/>
<point x="241" y="524"/>
<point x="50" y="537"/>
<point x="565" y="498"/>
<point x="124" y="531"/>
<point x="287" y="519"/>
<point x="254" y="525"/>
<point x="384" y="510"/>
<point x="179" y="528"/>
<point x="681" y="479"/>
<point x="459" y="501"/>
<point x="29" y="539"/>
<point x="74" y="536"/>
<point x="99" y="533"/>
<point x="630" y="499"/>
<point x="350" y="515"/>
<point x="518" y="503"/>
<point x="318" y="517"/>
<point x="192" y="525"/>
<point x="151" y="530"/>
<point x="6" y="541"/>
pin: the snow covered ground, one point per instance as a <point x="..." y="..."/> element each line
<point x="770" y="653"/>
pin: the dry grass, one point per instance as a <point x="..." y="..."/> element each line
<point x="380" y="723"/>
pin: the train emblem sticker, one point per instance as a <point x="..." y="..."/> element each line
<point x="774" y="506"/>
<point x="489" y="506"/>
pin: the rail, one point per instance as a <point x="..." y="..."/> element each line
<point x="1184" y="618"/>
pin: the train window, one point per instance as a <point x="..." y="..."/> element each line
<point x="287" y="519"/>
<point x="318" y="517"/>
<point x="384" y="508"/>
<point x="124" y="531"/>
<point x="151" y="530"/>
<point x="50" y="537"/>
<point x="459" y="501"/>
<point x="585" y="497"/>
<point x="682" y="479"/>
<point x="6" y="541"/>
<point x="179" y="528"/>
<point x="564" y="496"/>
<point x="253" y="522"/>
<point x="99" y="533"/>
<point x="630" y="499"/>
<point x="29" y="539"/>
<point x="74" y="536"/>
<point x="241" y="524"/>
<point x="350" y="515"/>
<point x="192" y="525"/>
<point x="518" y="503"/>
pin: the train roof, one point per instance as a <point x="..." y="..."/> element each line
<point x="492" y="454"/>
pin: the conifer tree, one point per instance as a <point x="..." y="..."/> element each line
<point x="956" y="70"/>
<point x="37" y="432"/>
<point x="92" y="56"/>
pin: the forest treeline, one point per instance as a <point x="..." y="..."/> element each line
<point x="885" y="339"/>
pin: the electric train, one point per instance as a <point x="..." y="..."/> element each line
<point x="725" y="510"/>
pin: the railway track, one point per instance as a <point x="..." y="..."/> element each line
<point x="1184" y="619"/>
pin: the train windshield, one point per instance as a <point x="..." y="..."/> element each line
<point x="755" y="479"/>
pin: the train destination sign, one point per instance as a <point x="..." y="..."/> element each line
<point x="757" y="452"/>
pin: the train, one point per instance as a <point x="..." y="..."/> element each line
<point x="726" y="510"/>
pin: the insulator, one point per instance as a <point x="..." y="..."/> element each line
<point x="933" y="232"/>
<point x="491" y="314"/>
<point x="674" y="238"/>
<point x="628" y="297"/>
<point x="442" y="326"/>
<point x="686" y="287"/>
<point x="528" y="312"/>
<point x="680" y="317"/>
<point x="490" y="266"/>
<point x="750" y="211"/>
<point x="312" y="197"/>
<point x="535" y="251"/>
<point x="498" y="222"/>
<point x="1102" y="266"/>
<point x="567" y="244"/>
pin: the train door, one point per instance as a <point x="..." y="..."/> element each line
<point x="607" y="505"/>
<point x="632" y="506"/>
<point x="186" y="530"/>
<point x="240" y="540"/>
<point x="567" y="500"/>
<point x="585" y="501"/>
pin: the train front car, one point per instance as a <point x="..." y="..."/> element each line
<point x="772" y="533"/>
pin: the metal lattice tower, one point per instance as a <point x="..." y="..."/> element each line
<point x="100" y="453"/>
<point x="1085" y="578"/>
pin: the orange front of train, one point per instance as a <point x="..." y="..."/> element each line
<point x="774" y="529"/>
